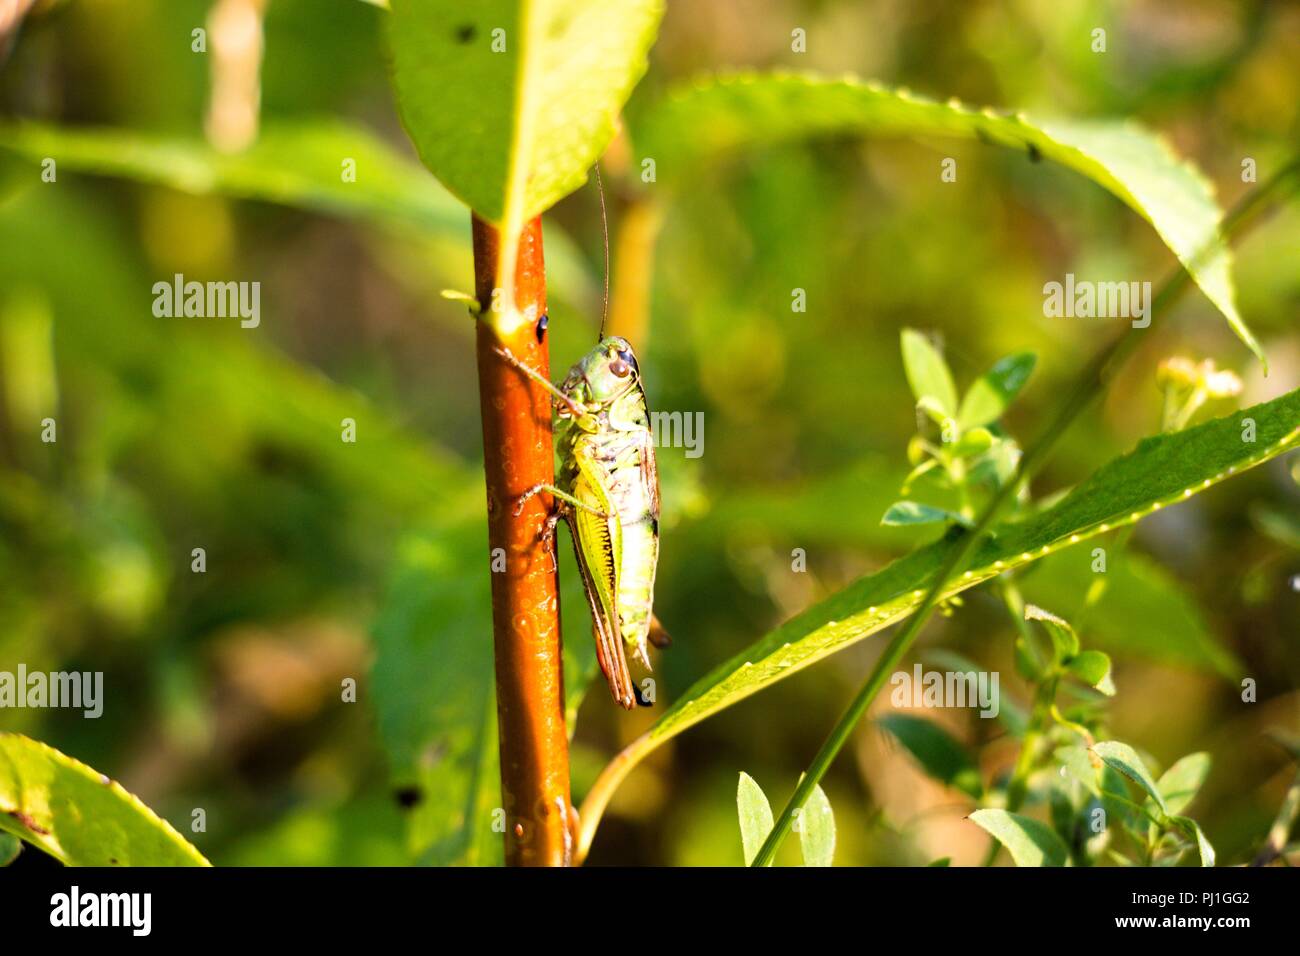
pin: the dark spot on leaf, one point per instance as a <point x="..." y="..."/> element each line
<point x="1034" y="154"/>
<point x="466" y="33"/>
<point x="112" y="860"/>
<point x="954" y="532"/>
<point x="408" y="797"/>
<point x="29" y="822"/>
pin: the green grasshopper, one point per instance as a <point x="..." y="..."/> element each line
<point x="608" y="493"/>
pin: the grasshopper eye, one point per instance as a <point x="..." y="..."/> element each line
<point x="620" y="368"/>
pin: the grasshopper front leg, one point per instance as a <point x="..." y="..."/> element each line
<point x="578" y="410"/>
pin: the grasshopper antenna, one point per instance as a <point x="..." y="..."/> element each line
<point x="604" y="230"/>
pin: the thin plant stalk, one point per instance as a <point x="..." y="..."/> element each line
<point x="516" y="413"/>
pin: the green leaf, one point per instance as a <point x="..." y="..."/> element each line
<point x="927" y="373"/>
<point x="1077" y="763"/>
<point x="993" y="391"/>
<point x="10" y="847"/>
<point x="1125" y="759"/>
<point x="721" y="114"/>
<point x="1093" y="668"/>
<point x="1193" y="830"/>
<point x="941" y="862"/>
<point x="1029" y="841"/>
<point x="1118" y="804"/>
<point x="1161" y="471"/>
<point x="1064" y="640"/>
<point x="939" y="755"/>
<point x="79" y="816"/>
<point x="1062" y="814"/>
<point x="513" y="131"/>
<point x="755" y="816"/>
<point x="1181" y="782"/>
<point x="913" y="512"/>
<point x="434" y="700"/>
<point x="932" y="407"/>
<point x="297" y="164"/>
<point x="1028" y="665"/>
<point x="975" y="441"/>
<point x="292" y="163"/>
<point x="817" y="830"/>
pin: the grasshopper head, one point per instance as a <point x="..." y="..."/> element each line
<point x="607" y="371"/>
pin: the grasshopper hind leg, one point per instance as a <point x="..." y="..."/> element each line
<point x="558" y="495"/>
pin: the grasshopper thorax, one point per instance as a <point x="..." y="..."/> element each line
<point x="605" y="373"/>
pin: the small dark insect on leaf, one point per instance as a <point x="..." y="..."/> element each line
<point x="465" y="33"/>
<point x="408" y="797"/>
<point x="542" y="323"/>
<point x="1034" y="154"/>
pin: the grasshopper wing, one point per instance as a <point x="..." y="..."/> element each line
<point x="596" y="542"/>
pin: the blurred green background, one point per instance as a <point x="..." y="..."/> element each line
<point x="328" y="560"/>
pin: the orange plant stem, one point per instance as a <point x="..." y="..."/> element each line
<point x="517" y="455"/>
